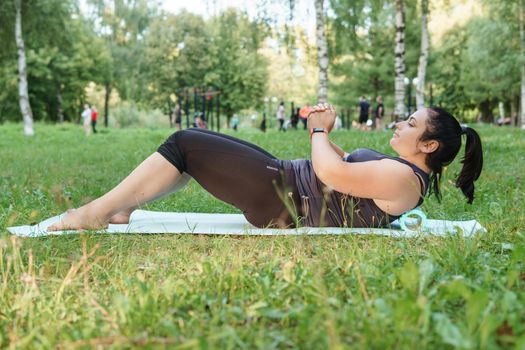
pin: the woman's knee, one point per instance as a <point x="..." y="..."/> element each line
<point x="174" y="148"/>
<point x="181" y="136"/>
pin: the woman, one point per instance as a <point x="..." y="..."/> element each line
<point x="361" y="189"/>
<point x="280" y="116"/>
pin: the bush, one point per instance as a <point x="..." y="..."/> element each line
<point x="129" y="115"/>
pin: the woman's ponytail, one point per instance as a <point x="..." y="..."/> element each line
<point x="472" y="163"/>
<point x="445" y="129"/>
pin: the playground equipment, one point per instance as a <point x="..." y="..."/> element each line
<point x="206" y="105"/>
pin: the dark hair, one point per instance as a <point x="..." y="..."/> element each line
<point x="446" y="130"/>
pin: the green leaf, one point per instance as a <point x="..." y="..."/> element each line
<point x="450" y="334"/>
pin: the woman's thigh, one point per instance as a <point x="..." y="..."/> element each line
<point x="234" y="171"/>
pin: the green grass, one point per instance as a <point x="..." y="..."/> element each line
<point x="183" y="291"/>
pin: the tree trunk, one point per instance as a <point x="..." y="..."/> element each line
<point x="522" y="49"/>
<point x="60" y="112"/>
<point x="106" y="103"/>
<point x="423" y="57"/>
<point x="485" y="109"/>
<point x="400" y="61"/>
<point x="322" y="52"/>
<point x="25" y="107"/>
<point x="170" y="113"/>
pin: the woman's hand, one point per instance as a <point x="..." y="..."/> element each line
<point x="321" y="116"/>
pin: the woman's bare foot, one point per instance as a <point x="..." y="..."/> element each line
<point x="121" y="217"/>
<point x="80" y="219"/>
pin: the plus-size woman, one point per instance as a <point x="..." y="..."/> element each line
<point x="362" y="189"/>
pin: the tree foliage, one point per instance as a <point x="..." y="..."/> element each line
<point x="148" y="55"/>
<point x="61" y="59"/>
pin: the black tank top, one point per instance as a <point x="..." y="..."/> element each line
<point x="322" y="206"/>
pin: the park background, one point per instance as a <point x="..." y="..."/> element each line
<point x="132" y="58"/>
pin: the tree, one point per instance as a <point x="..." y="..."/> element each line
<point x="522" y="52"/>
<point x="123" y="26"/>
<point x="239" y="71"/>
<point x="292" y="76"/>
<point x="400" y="60"/>
<point x="423" y="58"/>
<point x="60" y="60"/>
<point x="360" y="49"/>
<point x="322" y="51"/>
<point x="25" y="107"/>
<point x="177" y="56"/>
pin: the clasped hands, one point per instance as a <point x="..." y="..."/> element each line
<point x="321" y="116"/>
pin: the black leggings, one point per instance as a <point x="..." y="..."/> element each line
<point x="236" y="172"/>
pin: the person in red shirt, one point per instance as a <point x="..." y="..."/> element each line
<point x="303" y="114"/>
<point x="94" y="115"/>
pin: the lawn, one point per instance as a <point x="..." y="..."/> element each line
<point x="208" y="292"/>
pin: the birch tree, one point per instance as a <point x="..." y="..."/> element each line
<point x="400" y="61"/>
<point x="322" y="52"/>
<point x="423" y="57"/>
<point x="522" y="50"/>
<point x="23" y="94"/>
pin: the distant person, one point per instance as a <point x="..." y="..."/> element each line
<point x="235" y="122"/>
<point x="379" y="113"/>
<point x="176" y="117"/>
<point x="364" y="110"/>
<point x="303" y="114"/>
<point x="94" y="116"/>
<point x="86" y="119"/>
<point x="280" y="116"/>
<point x="263" y="123"/>
<point x="199" y="122"/>
<point x="294" y="119"/>
<point x="338" y="122"/>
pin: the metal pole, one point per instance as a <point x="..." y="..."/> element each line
<point x="187" y="107"/>
<point x="169" y="112"/>
<point x="194" y="101"/>
<point x="210" y="112"/>
<point x="179" y="112"/>
<point x="204" y="104"/>
<point x="209" y="96"/>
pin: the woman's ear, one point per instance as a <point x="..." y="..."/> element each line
<point x="429" y="146"/>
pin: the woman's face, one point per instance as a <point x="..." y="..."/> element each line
<point x="405" y="140"/>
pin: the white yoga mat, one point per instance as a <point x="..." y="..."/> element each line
<point x="143" y="221"/>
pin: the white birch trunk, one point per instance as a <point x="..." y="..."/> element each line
<point x="522" y="44"/>
<point x="322" y="52"/>
<point x="400" y="61"/>
<point x="25" y="107"/>
<point x="423" y="57"/>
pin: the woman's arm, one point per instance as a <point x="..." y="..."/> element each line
<point x="338" y="150"/>
<point x="380" y="179"/>
<point x="383" y="179"/>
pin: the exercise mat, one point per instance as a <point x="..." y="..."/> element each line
<point x="143" y="221"/>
